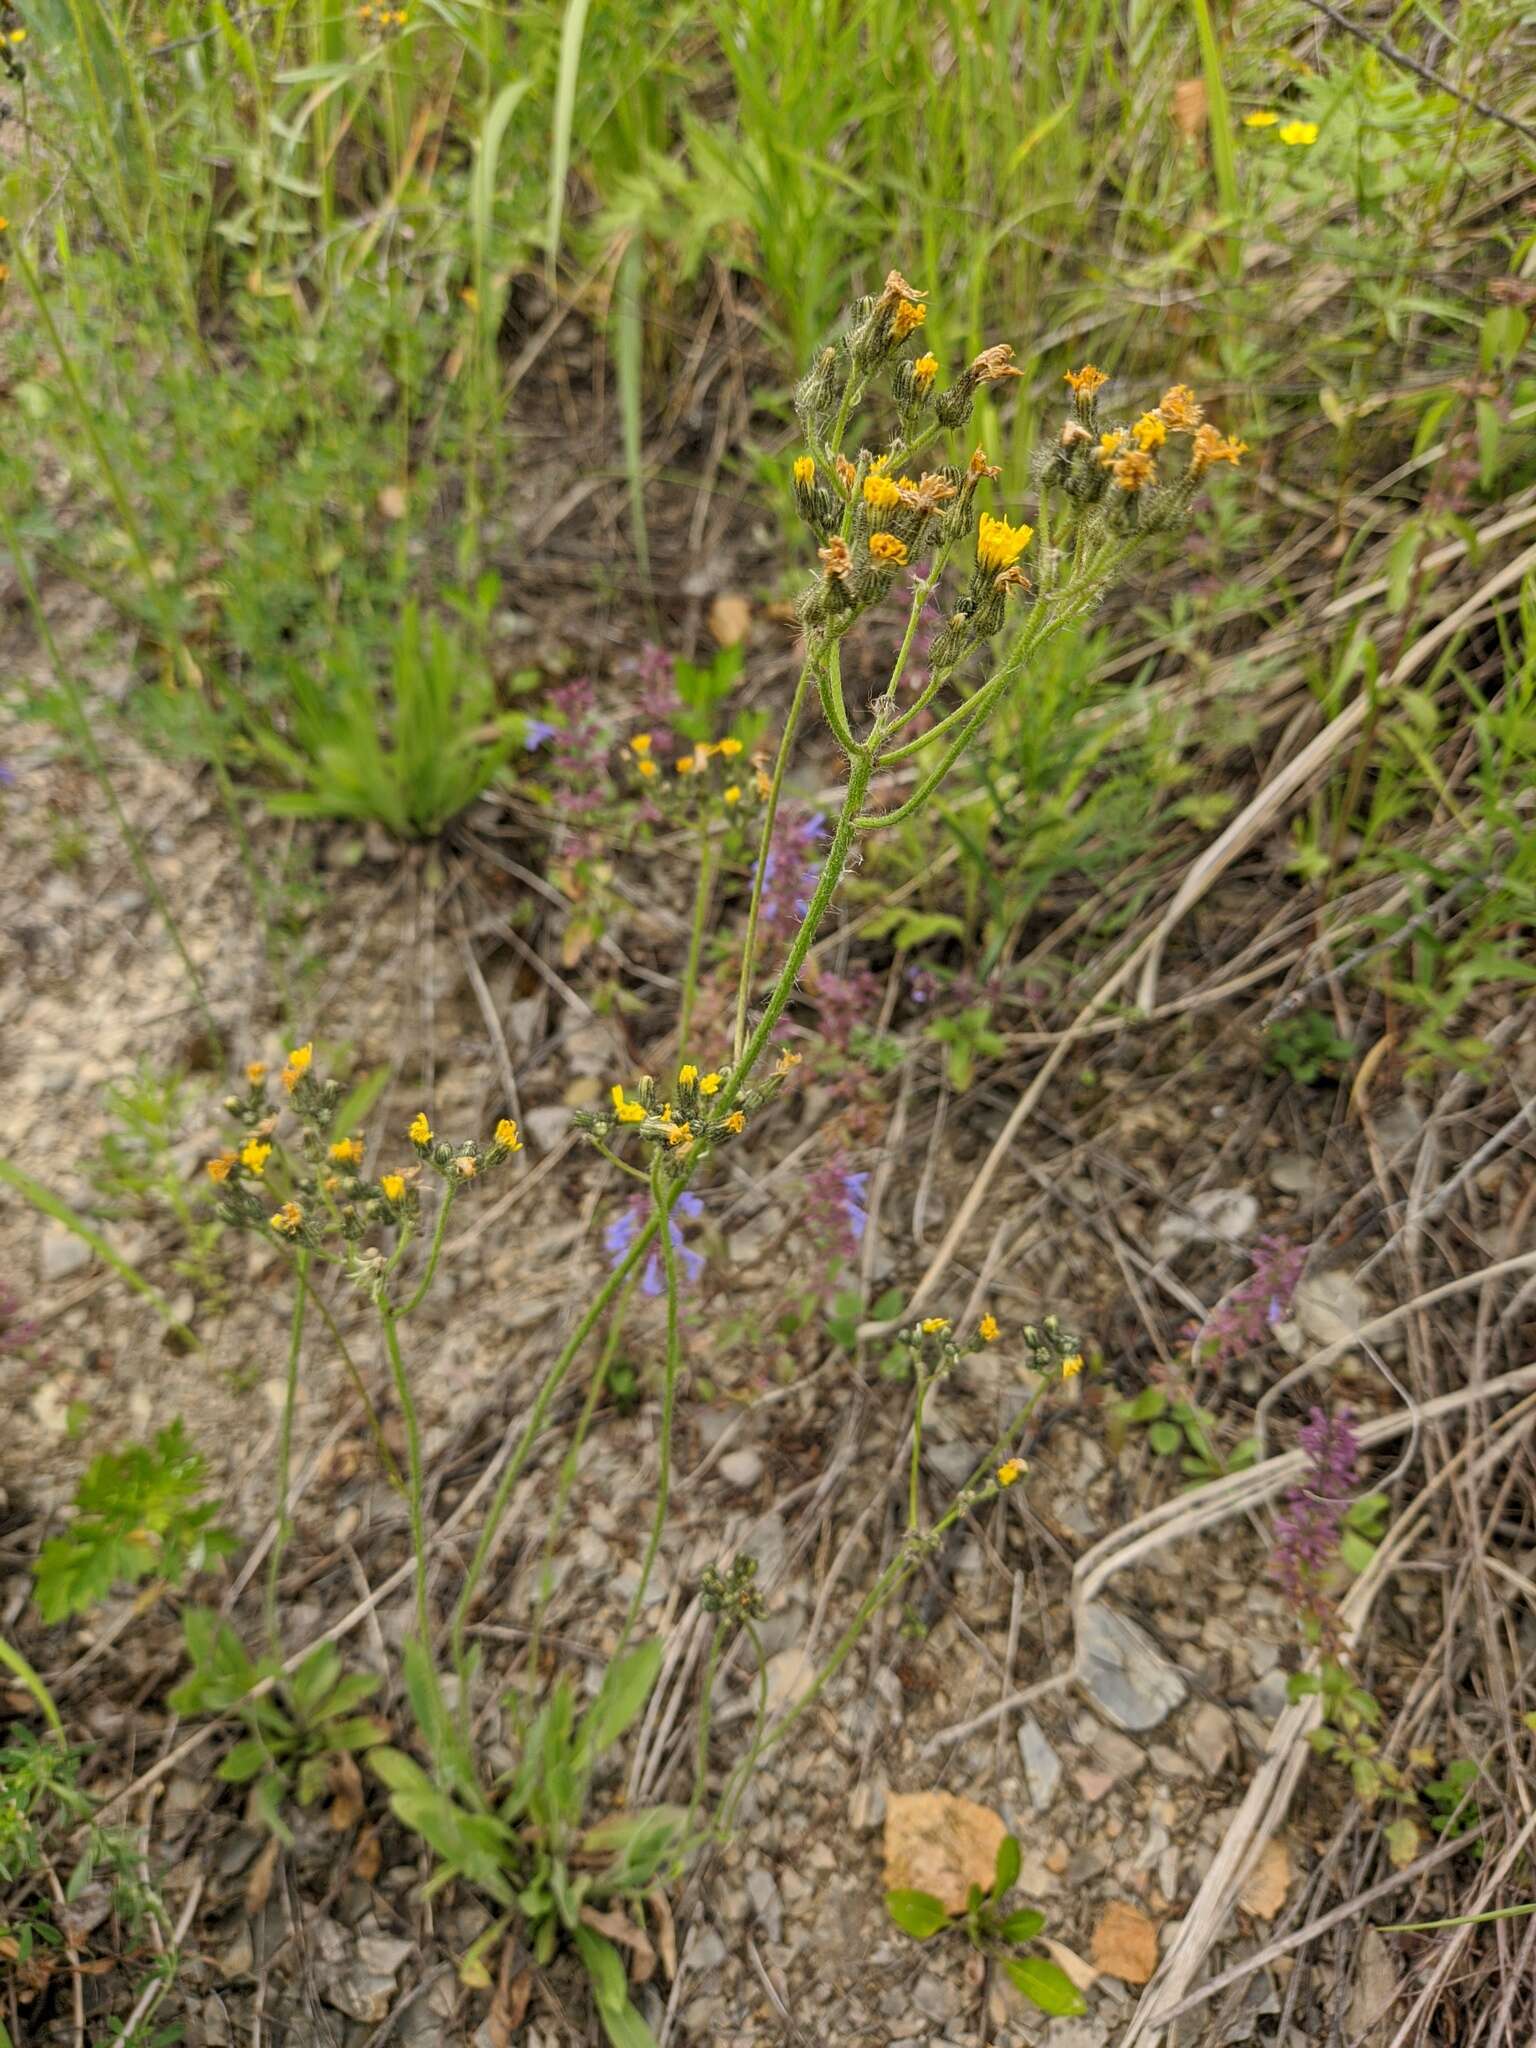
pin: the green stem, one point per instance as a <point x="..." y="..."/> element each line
<point x="923" y="1384"/>
<point x="738" y="1781"/>
<point x="703" y="890"/>
<point x="553" y="1380"/>
<point x="920" y="597"/>
<point x="413" y="1471"/>
<point x="284" y="1534"/>
<point x="433" y="1255"/>
<point x="375" y="1427"/>
<point x="22" y="1672"/>
<point x="829" y="684"/>
<point x="706" y="1699"/>
<point x="764" y="844"/>
<point x="662" y="1199"/>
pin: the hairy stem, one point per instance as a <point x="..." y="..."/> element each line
<point x="284" y="1534"/>
<point x="764" y="843"/>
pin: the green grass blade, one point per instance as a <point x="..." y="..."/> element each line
<point x="572" y="28"/>
<point x="1219" y="127"/>
<point x="628" y="349"/>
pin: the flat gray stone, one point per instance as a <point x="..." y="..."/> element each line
<point x="1124" y="1673"/>
<point x="1042" y="1766"/>
<point x="61" y="1253"/>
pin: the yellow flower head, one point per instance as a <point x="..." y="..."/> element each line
<point x="1179" y="408"/>
<point x="1261" y="117"/>
<point x="999" y="545"/>
<point x="392" y="1187"/>
<point x="934" y="1326"/>
<point x="18" y="35"/>
<point x="787" y="1061"/>
<point x="885" y="547"/>
<point x="728" y="748"/>
<point x="348" y="1151"/>
<point x="678" y="1134"/>
<point x="1109" y="447"/>
<point x="711" y="1084"/>
<point x="420" y="1132"/>
<point x="218" y="1169"/>
<point x="881" y="491"/>
<point x="300" y="1058"/>
<point x="641" y="744"/>
<point x="907" y="316"/>
<point x="1071" y="1367"/>
<point x="1087" y="382"/>
<point x="1210" y="446"/>
<point x="256" y="1072"/>
<point x="645" y="768"/>
<point x="627" y="1112"/>
<point x="686" y="764"/>
<point x="1299" y="134"/>
<point x="506" y="1135"/>
<point x="1133" y="470"/>
<point x="731" y="795"/>
<point x="805" y="470"/>
<point x="686" y="1076"/>
<point x="1011" y="1472"/>
<point x="736" y="1123"/>
<point x="924" y="370"/>
<point x="254" y="1156"/>
<point x="987" y="1329"/>
<point x="1149" y="432"/>
<point x="289" y="1219"/>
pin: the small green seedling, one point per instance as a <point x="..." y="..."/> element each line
<point x="1307" y="1048"/>
<point x="137" y="1516"/>
<point x="296" y="1732"/>
<point x="1181" y="1428"/>
<point x="993" y="1931"/>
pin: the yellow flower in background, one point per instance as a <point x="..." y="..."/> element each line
<point x="885" y="547"/>
<point x="506" y="1136"/>
<point x="300" y="1058"/>
<point x="1262" y="117"/>
<point x="1149" y="432"/>
<point x="289" y="1219"/>
<point x="256" y="1072"/>
<point x="999" y="545"/>
<point x="934" y="1326"/>
<point x="646" y="768"/>
<point x="1086" y="382"/>
<point x="1299" y="134"/>
<point x="1178" y="406"/>
<point x="805" y="469"/>
<point x="685" y="764"/>
<point x="420" y="1132"/>
<point x="641" y="744"/>
<point x="393" y="1187"/>
<point x="1011" y="1472"/>
<point x="1071" y="1367"/>
<point x="728" y="749"/>
<point x="787" y="1061"/>
<point x="881" y="491"/>
<point x="218" y="1169"/>
<point x="987" y="1329"/>
<point x="1211" y="446"/>
<point x="254" y="1156"/>
<point x="348" y="1151"/>
<point x="731" y="795"/>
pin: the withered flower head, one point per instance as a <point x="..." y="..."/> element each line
<point x="1179" y="410"/>
<point x="929" y="492"/>
<point x="1133" y="470"/>
<point x="1011" y="578"/>
<point x="995" y="363"/>
<point x="897" y="292"/>
<point x="979" y="467"/>
<point x="1074" y="432"/>
<point x="847" y="473"/>
<point x="837" y="558"/>
<point x="1210" y="446"/>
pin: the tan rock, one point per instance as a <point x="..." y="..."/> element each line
<point x="937" y="1843"/>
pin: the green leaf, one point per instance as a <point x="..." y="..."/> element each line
<point x="1021" y="1926"/>
<point x="314" y="1679"/>
<point x="605" y="1966"/>
<point x="1165" y="1438"/>
<point x="1147" y="1406"/>
<point x="1005" y="1873"/>
<point x="919" y="1914"/>
<point x="625" y="1689"/>
<point x="1355" y="1550"/>
<point x="572" y="27"/>
<point x="1046" y="1985"/>
<point x="244" y="1761"/>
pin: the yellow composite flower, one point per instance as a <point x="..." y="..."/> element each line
<point x="1149" y="432"/>
<point x="805" y="470"/>
<point x="987" y="1329"/>
<point x="641" y="744"/>
<point x="731" y="795"/>
<point x="736" y="1123"/>
<point x="420" y="1132"/>
<point x="218" y="1169"/>
<point x="256" y="1072"/>
<point x="1180" y="409"/>
<point x="289" y="1219"/>
<point x="506" y="1135"/>
<point x="687" y="1075"/>
<point x="626" y="1111"/>
<point x="1299" y="134"/>
<point x="1071" y="1367"/>
<point x="254" y="1156"/>
<point x="998" y="544"/>
<point x="934" y="1326"/>
<point x="885" y="547"/>
<point x="1086" y="382"/>
<point x="1261" y="117"/>
<point x="393" y="1187"/>
<point x="907" y="316"/>
<point x="728" y="748"/>
<point x="881" y="491"/>
<point x="1011" y="1471"/>
<point x="1133" y="470"/>
<point x="924" y="370"/>
<point x="787" y="1061"/>
<point x="348" y="1151"/>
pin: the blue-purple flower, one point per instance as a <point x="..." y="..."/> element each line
<point x="627" y="1225"/>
